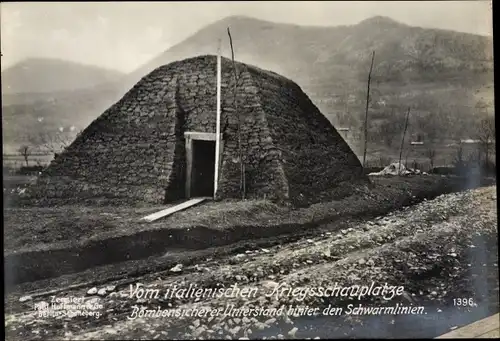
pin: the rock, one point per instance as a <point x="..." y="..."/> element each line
<point x="292" y="331"/>
<point x="25" y="298"/>
<point x="260" y="326"/>
<point x="407" y="297"/>
<point x="92" y="291"/>
<point x="265" y="250"/>
<point x="110" y="288"/>
<point x="343" y="231"/>
<point x="361" y="261"/>
<point x="270" y="321"/>
<point x="235" y="330"/>
<point x="177" y="268"/>
<point x="310" y="241"/>
<point x="102" y="292"/>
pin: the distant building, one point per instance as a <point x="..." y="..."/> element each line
<point x="344" y="132"/>
<point x="471" y="141"/>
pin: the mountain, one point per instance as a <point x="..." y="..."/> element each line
<point x="422" y="67"/>
<point x="306" y="53"/>
<point x="40" y="75"/>
<point x="436" y="72"/>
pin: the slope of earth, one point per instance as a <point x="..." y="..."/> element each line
<point x="38" y="227"/>
<point x="438" y="251"/>
<point x="44" y="243"/>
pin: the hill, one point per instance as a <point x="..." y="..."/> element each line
<point x="422" y="67"/>
<point x="43" y="75"/>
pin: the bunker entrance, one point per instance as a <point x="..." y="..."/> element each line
<point x="203" y="169"/>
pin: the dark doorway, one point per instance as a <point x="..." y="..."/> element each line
<point x="203" y="171"/>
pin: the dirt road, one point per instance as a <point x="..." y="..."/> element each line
<point x="442" y="253"/>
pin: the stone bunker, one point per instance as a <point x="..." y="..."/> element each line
<point x="157" y="143"/>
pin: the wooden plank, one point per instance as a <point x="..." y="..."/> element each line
<point x="476" y="329"/>
<point x="171" y="210"/>
<point x="494" y="334"/>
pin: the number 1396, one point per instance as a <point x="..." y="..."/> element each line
<point x="463" y="302"/>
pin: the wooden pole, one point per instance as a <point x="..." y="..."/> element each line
<point x="366" y="111"/>
<point x="402" y="141"/>
<point x="217" y="127"/>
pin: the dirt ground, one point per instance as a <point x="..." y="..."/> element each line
<point x="47" y="242"/>
<point x="32" y="228"/>
<point x="440" y="250"/>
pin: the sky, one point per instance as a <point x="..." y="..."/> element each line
<point x="125" y="35"/>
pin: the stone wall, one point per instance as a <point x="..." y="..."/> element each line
<point x="317" y="162"/>
<point x="135" y="151"/>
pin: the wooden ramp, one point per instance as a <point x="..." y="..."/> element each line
<point x="482" y="329"/>
<point x="173" y="209"/>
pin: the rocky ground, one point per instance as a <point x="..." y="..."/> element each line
<point x="440" y="251"/>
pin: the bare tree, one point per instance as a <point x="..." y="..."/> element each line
<point x="459" y="162"/>
<point x="25" y="151"/>
<point x="52" y="142"/>
<point x="240" y="151"/>
<point x="366" y="110"/>
<point x="390" y="128"/>
<point x="403" y="139"/>
<point x="486" y="136"/>
<point x="430" y="152"/>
